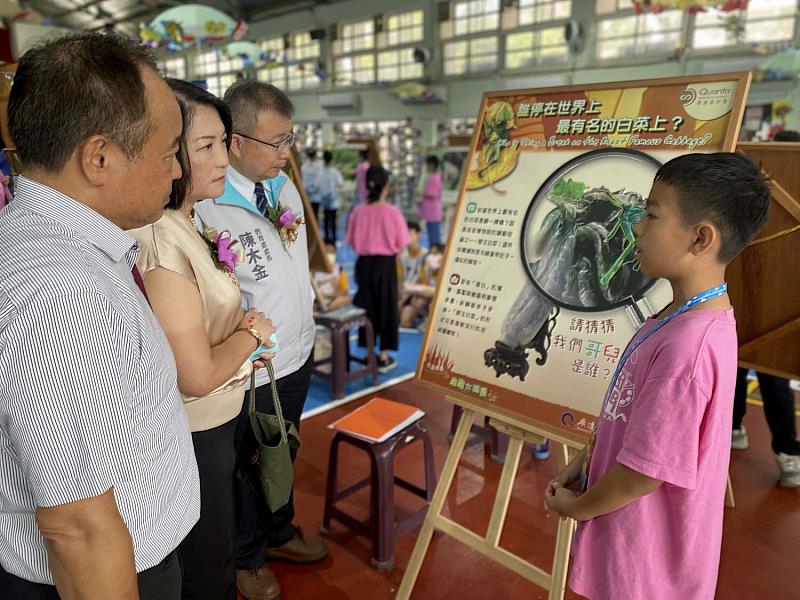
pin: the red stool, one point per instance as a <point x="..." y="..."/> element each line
<point x="381" y="526"/>
<point x="339" y="323"/>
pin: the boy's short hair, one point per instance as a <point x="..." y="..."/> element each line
<point x="414" y="226"/>
<point x="723" y="187"/>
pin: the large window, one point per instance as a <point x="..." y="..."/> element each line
<point x="466" y="46"/>
<point x="274" y="69"/>
<point x="536" y="37"/>
<point x="357" y="63"/>
<point x="402" y="28"/>
<point x="538" y="47"/>
<point x="470" y="56"/>
<point x="394" y="65"/>
<point x="218" y="70"/>
<point x="534" y="12"/>
<point x="218" y="84"/>
<point x="302" y="56"/>
<point x="357" y="37"/>
<point x="401" y="32"/>
<point x="173" y="67"/>
<point x="475" y="16"/>
<point x="205" y="63"/>
<point x="762" y="21"/>
<point x="358" y="69"/>
<point x="636" y="35"/>
<point x="355" y="46"/>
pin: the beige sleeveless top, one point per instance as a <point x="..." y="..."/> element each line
<point x="174" y="244"/>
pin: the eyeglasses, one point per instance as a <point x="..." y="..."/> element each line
<point x="285" y="143"/>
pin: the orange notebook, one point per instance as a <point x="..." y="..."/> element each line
<point x="378" y="420"/>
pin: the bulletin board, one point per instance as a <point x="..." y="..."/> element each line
<point x="541" y="290"/>
<point x="762" y="284"/>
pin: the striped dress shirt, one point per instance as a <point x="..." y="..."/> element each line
<point x="88" y="387"/>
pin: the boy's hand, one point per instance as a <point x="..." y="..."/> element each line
<point x="570" y="476"/>
<point x="560" y="499"/>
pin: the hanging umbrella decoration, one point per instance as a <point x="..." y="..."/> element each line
<point x="184" y="25"/>
<point x="249" y="52"/>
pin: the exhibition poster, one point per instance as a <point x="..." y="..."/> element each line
<point x="541" y="289"/>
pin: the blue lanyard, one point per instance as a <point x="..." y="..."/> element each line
<point x="690" y="303"/>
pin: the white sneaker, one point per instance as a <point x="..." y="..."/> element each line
<point x="790" y="469"/>
<point x="739" y="439"/>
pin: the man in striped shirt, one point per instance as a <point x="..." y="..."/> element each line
<point x="98" y="481"/>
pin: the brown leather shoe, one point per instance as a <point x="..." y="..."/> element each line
<point x="300" y="549"/>
<point x="258" y="584"/>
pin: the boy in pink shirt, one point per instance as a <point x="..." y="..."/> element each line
<point x="652" y="507"/>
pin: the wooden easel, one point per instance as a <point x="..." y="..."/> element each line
<point x="489" y="546"/>
<point x="317" y="260"/>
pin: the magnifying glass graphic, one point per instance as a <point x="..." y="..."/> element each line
<point x="578" y="251"/>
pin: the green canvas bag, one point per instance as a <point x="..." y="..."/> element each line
<point x="270" y="470"/>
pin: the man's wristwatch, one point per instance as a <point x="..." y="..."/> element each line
<point x="254" y="332"/>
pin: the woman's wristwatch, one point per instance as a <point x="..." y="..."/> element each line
<point x="254" y="332"/>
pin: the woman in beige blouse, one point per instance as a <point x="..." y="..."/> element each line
<point x="198" y="305"/>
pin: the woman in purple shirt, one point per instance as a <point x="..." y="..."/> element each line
<point x="430" y="209"/>
<point x="377" y="232"/>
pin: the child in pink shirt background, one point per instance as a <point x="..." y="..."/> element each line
<point x="652" y="508"/>
<point x="430" y="208"/>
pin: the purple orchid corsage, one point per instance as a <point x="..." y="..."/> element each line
<point x="287" y="222"/>
<point x="225" y="250"/>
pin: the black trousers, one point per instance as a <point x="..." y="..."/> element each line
<point x="779" y="409"/>
<point x="162" y="582"/>
<point x="207" y="553"/>
<point x="315" y="209"/>
<point x="256" y="527"/>
<point x="376" y="278"/>
<point x="330" y="224"/>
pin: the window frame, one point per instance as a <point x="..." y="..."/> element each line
<point x="382" y="38"/>
<point x="348" y="78"/>
<point x="639" y="35"/>
<point x="454" y="18"/>
<point x="741" y="44"/>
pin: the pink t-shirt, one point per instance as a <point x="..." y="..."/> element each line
<point x="377" y="229"/>
<point x="430" y="209"/>
<point x="668" y="417"/>
<point x="361" y="180"/>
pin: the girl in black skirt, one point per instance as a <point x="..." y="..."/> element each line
<point x="377" y="232"/>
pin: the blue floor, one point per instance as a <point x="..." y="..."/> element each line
<point x="319" y="394"/>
